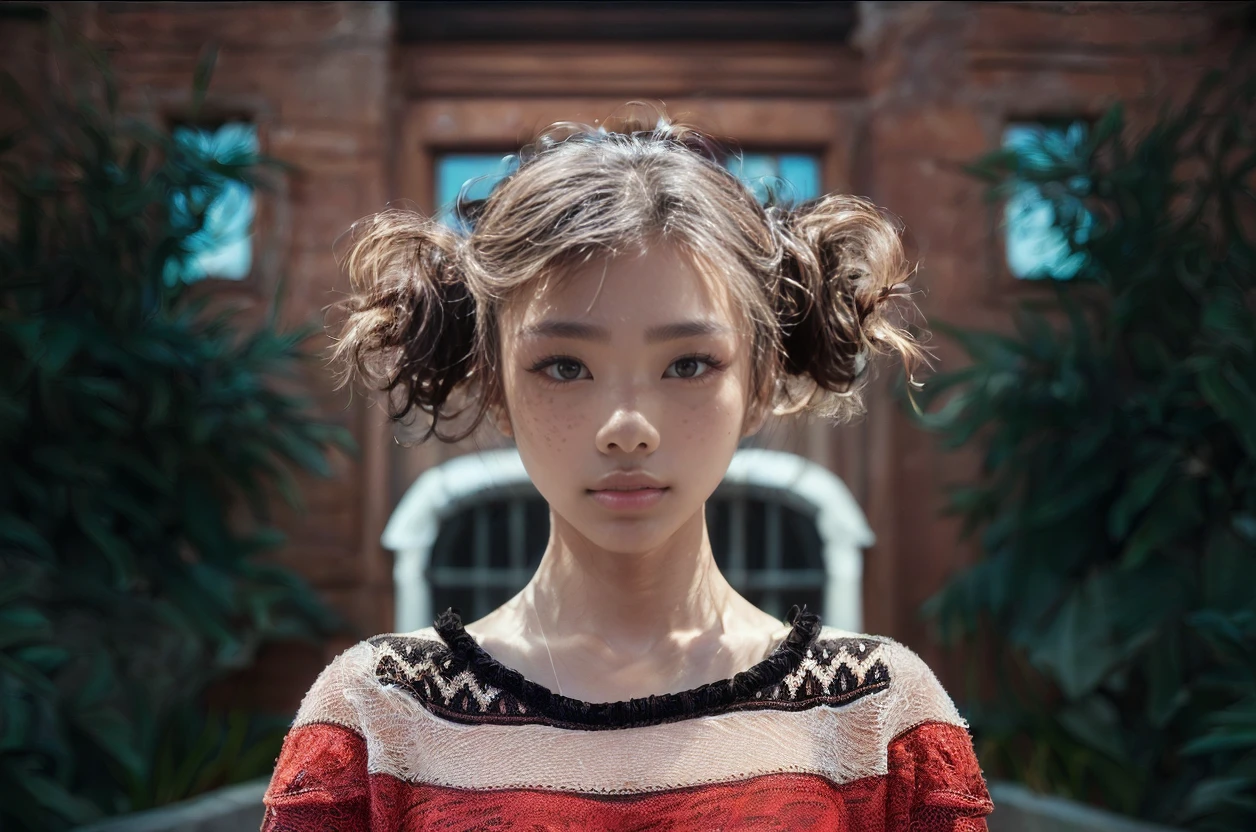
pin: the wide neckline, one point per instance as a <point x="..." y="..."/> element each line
<point x="708" y="698"/>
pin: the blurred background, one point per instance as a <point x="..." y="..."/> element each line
<point x="194" y="520"/>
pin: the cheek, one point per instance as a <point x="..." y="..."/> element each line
<point x="712" y="418"/>
<point x="544" y="418"/>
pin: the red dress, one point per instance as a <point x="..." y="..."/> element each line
<point x="426" y="731"/>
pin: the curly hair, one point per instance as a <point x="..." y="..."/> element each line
<point x="822" y="285"/>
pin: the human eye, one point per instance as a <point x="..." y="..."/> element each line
<point x="692" y="367"/>
<point x="561" y="368"/>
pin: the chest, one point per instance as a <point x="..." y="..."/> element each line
<point x="800" y="748"/>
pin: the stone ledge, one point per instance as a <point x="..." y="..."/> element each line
<point x="1017" y="809"/>
<point x="231" y="809"/>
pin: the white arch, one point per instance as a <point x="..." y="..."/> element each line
<point x="440" y="491"/>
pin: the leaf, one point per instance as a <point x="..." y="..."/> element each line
<point x="1176" y="510"/>
<point x="1215" y="794"/>
<point x="1225" y="633"/>
<point x="22" y="534"/>
<point x="59" y="344"/>
<point x="48" y="794"/>
<point x="17" y="582"/>
<point x="1077" y="650"/>
<point x="114" y="735"/>
<point x="1227" y="571"/>
<point x="1231" y="741"/>
<point x="23" y="625"/>
<point x="1109" y="126"/>
<point x="1167" y="692"/>
<point x="45" y="658"/>
<point x="987" y="347"/>
<point x="201" y="76"/>
<point x="1140" y="490"/>
<point x="109" y="544"/>
<point x="1095" y="722"/>
<point x="1234" y="400"/>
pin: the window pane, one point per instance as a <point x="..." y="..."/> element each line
<point x="223" y="246"/>
<point x="476" y="172"/>
<point x="1037" y="244"/>
<point x="791" y="177"/>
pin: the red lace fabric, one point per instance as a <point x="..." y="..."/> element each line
<point x="320" y="783"/>
<point x="934" y="784"/>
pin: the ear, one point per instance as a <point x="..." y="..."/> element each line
<point x="501" y="420"/>
<point x="756" y="416"/>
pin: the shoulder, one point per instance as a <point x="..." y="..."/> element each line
<point x="324" y="759"/>
<point x="336" y="695"/>
<point x="908" y="691"/>
<point x="929" y="759"/>
<point x="934" y="777"/>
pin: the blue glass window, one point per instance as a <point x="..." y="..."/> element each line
<point x="223" y="246"/>
<point x="791" y="177"/>
<point x="477" y="173"/>
<point x="1035" y="234"/>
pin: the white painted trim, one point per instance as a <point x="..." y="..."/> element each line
<point x="440" y="491"/>
<point x="437" y="493"/>
<point x="841" y="524"/>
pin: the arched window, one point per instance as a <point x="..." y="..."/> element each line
<point x="470" y="533"/>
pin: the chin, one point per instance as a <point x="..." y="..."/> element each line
<point x="627" y="534"/>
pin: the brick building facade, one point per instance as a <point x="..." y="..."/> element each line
<point x="893" y="98"/>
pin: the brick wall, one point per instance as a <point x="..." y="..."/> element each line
<point x="943" y="80"/>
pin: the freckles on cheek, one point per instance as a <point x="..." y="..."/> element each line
<point x="547" y="420"/>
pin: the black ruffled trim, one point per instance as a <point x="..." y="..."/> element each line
<point x="705" y="699"/>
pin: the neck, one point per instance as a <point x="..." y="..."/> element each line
<point x="630" y="602"/>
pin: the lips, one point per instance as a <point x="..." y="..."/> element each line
<point x="628" y="491"/>
<point x="633" y="500"/>
<point x="627" y="481"/>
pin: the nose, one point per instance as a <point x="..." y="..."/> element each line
<point x="627" y="431"/>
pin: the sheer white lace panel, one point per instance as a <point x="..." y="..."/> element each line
<point x="841" y="744"/>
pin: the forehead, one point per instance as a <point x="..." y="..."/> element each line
<point x="636" y="290"/>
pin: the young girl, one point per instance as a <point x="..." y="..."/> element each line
<point x="627" y="312"/>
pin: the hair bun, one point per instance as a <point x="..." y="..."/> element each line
<point x="842" y="273"/>
<point x="410" y="328"/>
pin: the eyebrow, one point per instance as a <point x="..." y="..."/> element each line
<point x="590" y="332"/>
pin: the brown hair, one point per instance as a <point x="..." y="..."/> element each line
<point x="815" y="282"/>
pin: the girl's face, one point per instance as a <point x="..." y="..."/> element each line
<point x="626" y="390"/>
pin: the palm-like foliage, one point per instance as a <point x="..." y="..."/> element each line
<point x="1117" y="509"/>
<point x="133" y="427"/>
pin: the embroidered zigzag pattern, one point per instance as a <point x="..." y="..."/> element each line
<point x="832" y="672"/>
<point x="842" y="669"/>
<point x="404" y="662"/>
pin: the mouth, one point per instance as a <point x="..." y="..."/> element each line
<point x="628" y="498"/>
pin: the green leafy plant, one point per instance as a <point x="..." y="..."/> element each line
<point x="143" y="438"/>
<point x="1116" y="510"/>
<point x="199" y="750"/>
